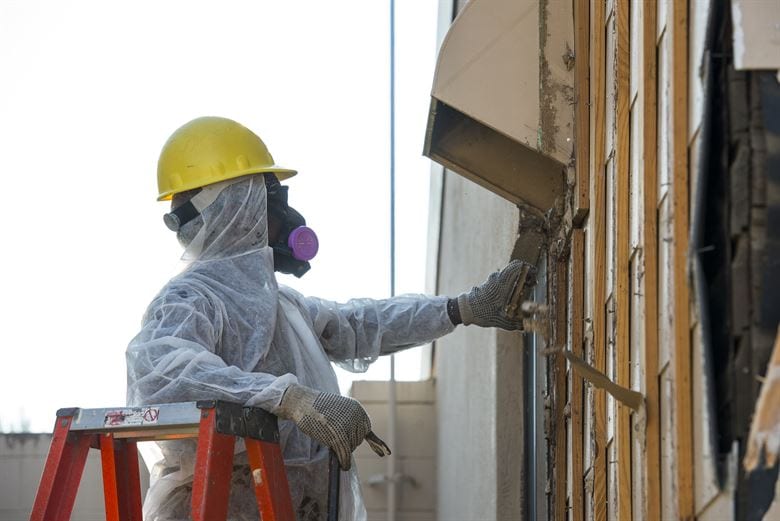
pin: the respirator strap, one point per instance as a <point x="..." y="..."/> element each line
<point x="180" y="216"/>
<point x="190" y="210"/>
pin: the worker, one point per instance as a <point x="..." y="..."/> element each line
<point x="224" y="328"/>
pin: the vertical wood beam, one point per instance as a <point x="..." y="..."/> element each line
<point x="582" y="109"/>
<point x="682" y="336"/>
<point x="649" y="91"/>
<point x="561" y="447"/>
<point x="622" y="243"/>
<point x="598" y="216"/>
<point x="577" y="337"/>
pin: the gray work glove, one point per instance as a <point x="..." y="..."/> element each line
<point x="484" y="305"/>
<point x="337" y="421"/>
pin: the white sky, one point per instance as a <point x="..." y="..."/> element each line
<point x="89" y="92"/>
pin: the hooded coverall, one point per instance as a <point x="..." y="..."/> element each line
<point x="224" y="329"/>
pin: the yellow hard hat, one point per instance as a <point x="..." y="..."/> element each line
<point x="208" y="150"/>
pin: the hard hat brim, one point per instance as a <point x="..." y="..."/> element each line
<point x="280" y="172"/>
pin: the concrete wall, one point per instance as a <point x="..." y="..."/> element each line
<point x="415" y="448"/>
<point x="478" y="371"/>
<point x="21" y="463"/>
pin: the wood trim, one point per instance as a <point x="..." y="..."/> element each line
<point x="561" y="447"/>
<point x="649" y="91"/>
<point x="682" y="336"/>
<point x="599" y="236"/>
<point x="577" y="396"/>
<point x="582" y="110"/>
<point x="622" y="243"/>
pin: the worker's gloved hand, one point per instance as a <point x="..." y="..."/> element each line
<point x="484" y="305"/>
<point x="337" y="421"/>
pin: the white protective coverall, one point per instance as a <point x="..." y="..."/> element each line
<point x="224" y="329"/>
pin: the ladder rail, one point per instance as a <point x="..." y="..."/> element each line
<point x="61" y="474"/>
<point x="121" y="479"/>
<point x="213" y="470"/>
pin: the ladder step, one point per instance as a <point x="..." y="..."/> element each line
<point x="174" y="421"/>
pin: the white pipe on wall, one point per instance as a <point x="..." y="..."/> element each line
<point x="392" y="490"/>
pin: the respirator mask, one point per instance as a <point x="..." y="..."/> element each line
<point x="296" y="244"/>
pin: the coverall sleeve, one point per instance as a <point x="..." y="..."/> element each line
<point x="356" y="333"/>
<point x="175" y="358"/>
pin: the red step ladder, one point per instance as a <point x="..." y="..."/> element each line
<point x="215" y="424"/>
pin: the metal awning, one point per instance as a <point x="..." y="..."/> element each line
<point x="497" y="114"/>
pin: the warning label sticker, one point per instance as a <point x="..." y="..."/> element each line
<point x="134" y="416"/>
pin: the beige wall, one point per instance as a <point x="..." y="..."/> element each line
<point x="478" y="371"/>
<point x="415" y="449"/>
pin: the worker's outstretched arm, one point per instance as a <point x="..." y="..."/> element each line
<point x="355" y="333"/>
<point x="176" y="358"/>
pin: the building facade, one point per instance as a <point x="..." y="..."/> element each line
<point x="656" y="262"/>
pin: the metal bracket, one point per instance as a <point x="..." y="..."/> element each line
<point x="67" y="411"/>
<point x="628" y="397"/>
<point x="230" y="416"/>
<point x="381" y="479"/>
<point x="261" y="425"/>
<point x="246" y="422"/>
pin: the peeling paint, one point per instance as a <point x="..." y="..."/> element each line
<point x="547" y="113"/>
<point x="756" y="34"/>
<point x="739" y="34"/>
<point x="556" y="82"/>
<point x="568" y="57"/>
